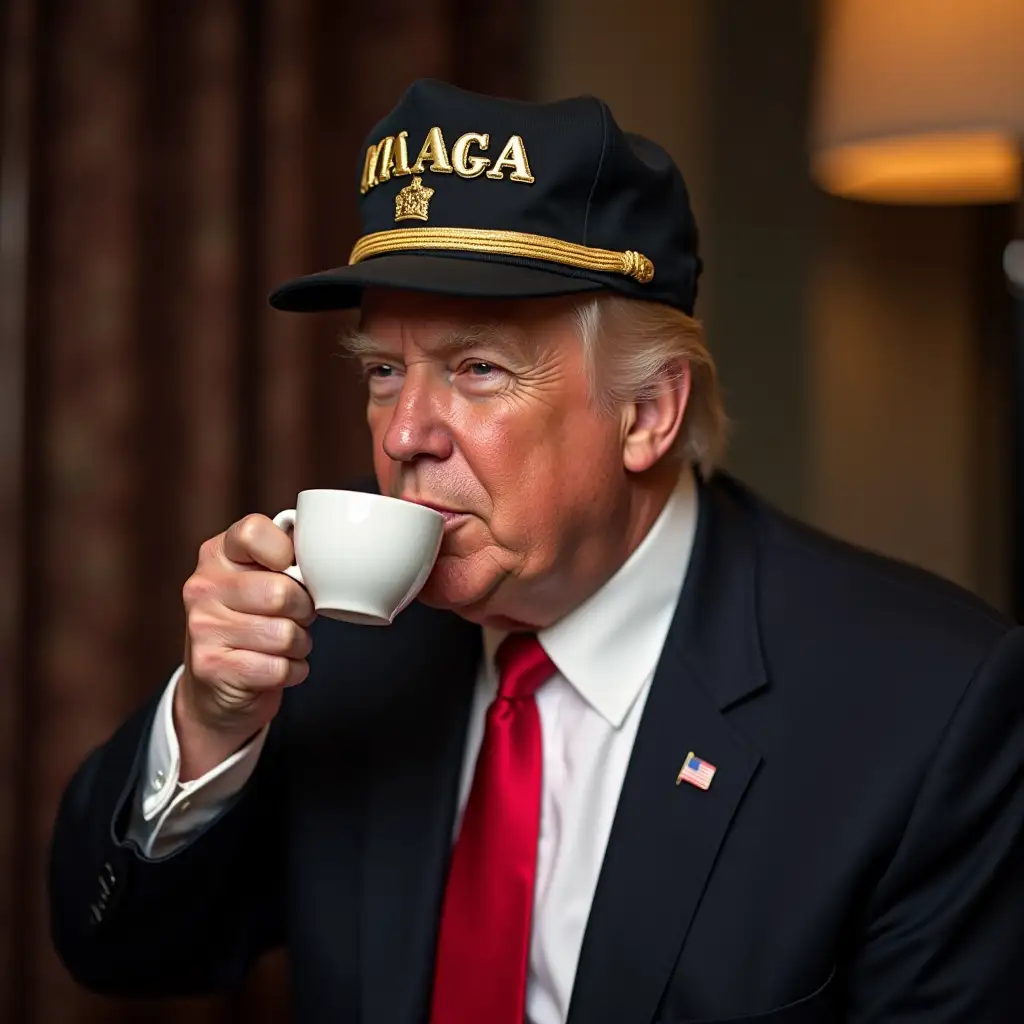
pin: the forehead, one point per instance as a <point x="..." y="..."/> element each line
<point x="388" y="315"/>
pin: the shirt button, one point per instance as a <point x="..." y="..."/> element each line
<point x="158" y="781"/>
<point x="184" y="806"/>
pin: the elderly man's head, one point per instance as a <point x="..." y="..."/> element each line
<point x="553" y="428"/>
<point x="552" y="422"/>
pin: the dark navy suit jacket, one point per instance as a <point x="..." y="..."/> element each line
<point x="859" y="856"/>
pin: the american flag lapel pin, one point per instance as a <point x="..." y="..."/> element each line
<point x="696" y="772"/>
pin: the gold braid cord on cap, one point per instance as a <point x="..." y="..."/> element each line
<point x="504" y="243"/>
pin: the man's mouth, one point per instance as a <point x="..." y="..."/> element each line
<point x="452" y="516"/>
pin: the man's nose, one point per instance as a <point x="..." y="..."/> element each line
<point x="418" y="424"/>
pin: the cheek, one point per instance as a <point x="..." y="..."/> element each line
<point x="505" y="447"/>
<point x="585" y="459"/>
<point x="543" y="466"/>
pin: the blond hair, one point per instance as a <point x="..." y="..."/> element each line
<point x="636" y="349"/>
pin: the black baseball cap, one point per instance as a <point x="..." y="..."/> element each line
<point x="470" y="195"/>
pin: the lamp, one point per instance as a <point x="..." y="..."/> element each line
<point x="922" y="102"/>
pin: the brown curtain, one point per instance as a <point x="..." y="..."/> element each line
<point x="162" y="164"/>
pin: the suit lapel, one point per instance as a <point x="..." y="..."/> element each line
<point x="666" y="837"/>
<point x="414" y="776"/>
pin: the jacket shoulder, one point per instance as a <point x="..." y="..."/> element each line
<point x="808" y="579"/>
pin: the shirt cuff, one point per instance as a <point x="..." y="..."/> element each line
<point x="172" y="811"/>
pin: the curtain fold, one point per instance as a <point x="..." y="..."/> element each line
<point x="162" y="166"/>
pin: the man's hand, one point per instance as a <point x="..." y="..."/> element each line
<point x="246" y="640"/>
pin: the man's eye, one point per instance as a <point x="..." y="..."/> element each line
<point x="380" y="371"/>
<point x="481" y="376"/>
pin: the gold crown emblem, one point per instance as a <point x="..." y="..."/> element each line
<point x="413" y="201"/>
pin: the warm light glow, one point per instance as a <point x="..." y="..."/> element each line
<point x="974" y="167"/>
<point x="919" y="101"/>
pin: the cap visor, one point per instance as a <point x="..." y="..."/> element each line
<point x="442" y="275"/>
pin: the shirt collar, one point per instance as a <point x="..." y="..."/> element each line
<point x="609" y="646"/>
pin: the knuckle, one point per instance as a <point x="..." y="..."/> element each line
<point x="283" y="634"/>
<point x="203" y="627"/>
<point x="248" y="529"/>
<point x="206" y="663"/>
<point x="276" y="591"/>
<point x="195" y="625"/>
<point x="196" y="587"/>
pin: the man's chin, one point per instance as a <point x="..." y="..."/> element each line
<point x="456" y="586"/>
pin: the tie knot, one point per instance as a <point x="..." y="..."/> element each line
<point x="522" y="666"/>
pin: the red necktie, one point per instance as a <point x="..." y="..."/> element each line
<point x="484" y="941"/>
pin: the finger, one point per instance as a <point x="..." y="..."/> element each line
<point x="248" y="670"/>
<point x="260" y="633"/>
<point x="255" y="540"/>
<point x="267" y="593"/>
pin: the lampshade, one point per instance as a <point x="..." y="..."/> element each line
<point x="920" y="101"/>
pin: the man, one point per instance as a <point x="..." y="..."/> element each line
<point x="645" y="750"/>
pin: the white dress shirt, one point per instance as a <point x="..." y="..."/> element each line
<point x="606" y="652"/>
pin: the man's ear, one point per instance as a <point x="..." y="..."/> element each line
<point x="652" y="424"/>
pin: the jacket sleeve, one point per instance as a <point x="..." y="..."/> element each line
<point x="165" y="812"/>
<point x="943" y="936"/>
<point x="187" y="923"/>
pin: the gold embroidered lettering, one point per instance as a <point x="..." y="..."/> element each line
<point x="385" y="159"/>
<point x="465" y="165"/>
<point x="513" y="156"/>
<point x="369" y="178"/>
<point x="434" y="152"/>
<point x="401" y="155"/>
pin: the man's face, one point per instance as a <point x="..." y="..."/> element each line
<point x="481" y="408"/>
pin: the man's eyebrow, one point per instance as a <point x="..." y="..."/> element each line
<point x="358" y="343"/>
<point x="504" y="337"/>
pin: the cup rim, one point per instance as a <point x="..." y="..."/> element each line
<point x="370" y="495"/>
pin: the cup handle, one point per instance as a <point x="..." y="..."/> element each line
<point x="286" y="520"/>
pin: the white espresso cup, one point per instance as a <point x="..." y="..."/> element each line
<point x="362" y="557"/>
